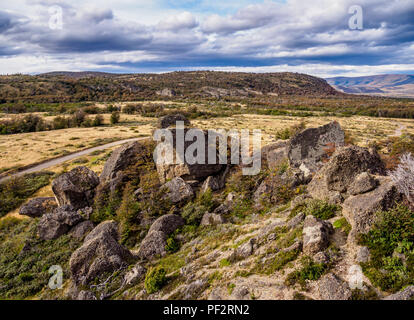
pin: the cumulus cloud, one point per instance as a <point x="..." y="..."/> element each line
<point x="235" y="34"/>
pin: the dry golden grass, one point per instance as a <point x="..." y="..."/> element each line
<point x="28" y="148"/>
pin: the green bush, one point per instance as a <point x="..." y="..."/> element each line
<point x="321" y="209"/>
<point x="342" y="224"/>
<point x="172" y="245"/>
<point x="309" y="271"/>
<point x="16" y="191"/>
<point x="155" y="279"/>
<point x="25" y="259"/>
<point x="389" y="240"/>
<point x="115" y="116"/>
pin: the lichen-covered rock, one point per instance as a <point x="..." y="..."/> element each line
<point x="38" y="207"/>
<point x="363" y="255"/>
<point x="99" y="254"/>
<point x="334" y="179"/>
<point x="183" y="169"/>
<point x="333" y="288"/>
<point x="153" y="245"/>
<point x="295" y="221"/>
<point x="155" y="241"/>
<point x="316" y="234"/>
<point x="178" y="190"/>
<point x="275" y="154"/>
<point x="360" y="210"/>
<point x="212" y="219"/>
<point x="119" y="160"/>
<point x="167" y="223"/>
<point x="57" y="223"/>
<point x="76" y="187"/>
<point x="308" y="149"/>
<point x="81" y="229"/>
<point x="406" y="294"/>
<point x="244" y="251"/>
<point x="212" y="183"/>
<point x="134" y="275"/>
<point x="363" y="183"/>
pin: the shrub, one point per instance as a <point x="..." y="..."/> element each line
<point x="309" y="271"/>
<point x="16" y="191"/>
<point x="321" y="209"/>
<point x="287" y="133"/>
<point x="172" y="245"/>
<point x="98" y="120"/>
<point x="115" y="116"/>
<point x="342" y="224"/>
<point x="155" y="279"/>
<point x="392" y="233"/>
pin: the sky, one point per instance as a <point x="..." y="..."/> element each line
<point x="135" y="36"/>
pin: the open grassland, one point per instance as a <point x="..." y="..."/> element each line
<point x="25" y="149"/>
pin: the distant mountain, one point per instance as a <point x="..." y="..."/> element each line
<point x="394" y="85"/>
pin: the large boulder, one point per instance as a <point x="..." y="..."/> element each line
<point x="180" y="168"/>
<point x="178" y="190"/>
<point x="100" y="253"/>
<point x="76" y="187"/>
<point x="275" y="154"/>
<point x="170" y="120"/>
<point x="406" y="294"/>
<point x="363" y="183"/>
<point x="316" y="235"/>
<point x="119" y="160"/>
<point x="55" y="224"/>
<point x="38" y="207"/>
<point x="82" y="229"/>
<point x="167" y="223"/>
<point x="360" y="210"/>
<point x="333" y="288"/>
<point x="155" y="241"/>
<point x="336" y="176"/>
<point x="308" y="149"/>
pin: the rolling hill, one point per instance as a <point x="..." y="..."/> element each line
<point x="93" y="86"/>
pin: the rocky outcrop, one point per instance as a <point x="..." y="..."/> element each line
<point x="363" y="183"/>
<point x="212" y="219"/>
<point x="167" y="224"/>
<point x="406" y="294"/>
<point x="136" y="274"/>
<point x="336" y="176"/>
<point x="82" y="229"/>
<point x="333" y="288"/>
<point x="308" y="149"/>
<point x="316" y="235"/>
<point x="166" y="92"/>
<point x="212" y="183"/>
<point x="76" y="187"/>
<point x="155" y="241"/>
<point x="55" y="224"/>
<point x="170" y="120"/>
<point x="178" y="190"/>
<point x="38" y="207"/>
<point x="360" y="210"/>
<point x="244" y="251"/>
<point x="180" y="168"/>
<point x="99" y="254"/>
<point x="275" y="154"/>
<point x="119" y="160"/>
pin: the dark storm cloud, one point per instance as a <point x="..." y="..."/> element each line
<point x="260" y="34"/>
